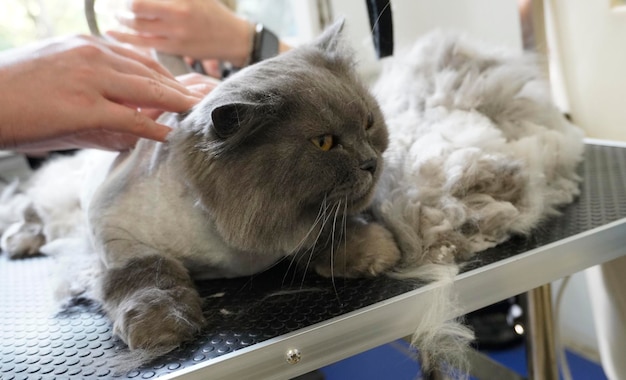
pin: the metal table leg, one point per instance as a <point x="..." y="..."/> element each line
<point x="540" y="345"/>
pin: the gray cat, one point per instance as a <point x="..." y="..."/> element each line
<point x="253" y="174"/>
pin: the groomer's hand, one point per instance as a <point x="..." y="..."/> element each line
<point x="197" y="83"/>
<point x="82" y="92"/>
<point x="201" y="29"/>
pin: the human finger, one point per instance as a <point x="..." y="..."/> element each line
<point x="149" y="8"/>
<point x="159" y="43"/>
<point x="201" y="88"/>
<point x="106" y="140"/>
<point x="121" y="65"/>
<point x="212" y="67"/>
<point x="151" y="26"/>
<point x="127" y="120"/>
<point x="152" y="113"/>
<point x="148" y="93"/>
<point x="198" y="84"/>
<point x="134" y="55"/>
<point x="103" y="139"/>
<point x="196" y="78"/>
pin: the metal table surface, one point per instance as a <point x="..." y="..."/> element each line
<point x="256" y="321"/>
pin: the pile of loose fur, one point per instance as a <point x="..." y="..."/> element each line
<point x="478" y="152"/>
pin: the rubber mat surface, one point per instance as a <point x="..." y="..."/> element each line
<point x="39" y="342"/>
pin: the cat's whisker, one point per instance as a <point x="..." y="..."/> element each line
<point x="330" y="237"/>
<point x="310" y="257"/>
<point x="343" y="235"/>
<point x="345" y="226"/>
<point x="332" y="250"/>
<point x="294" y="254"/>
<point x="321" y="212"/>
<point x="323" y="220"/>
<point x="312" y="250"/>
<point x="326" y="217"/>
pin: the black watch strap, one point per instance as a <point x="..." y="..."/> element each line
<point x="265" y="44"/>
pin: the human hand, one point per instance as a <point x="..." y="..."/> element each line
<point x="197" y="83"/>
<point x="82" y="92"/>
<point x="200" y="29"/>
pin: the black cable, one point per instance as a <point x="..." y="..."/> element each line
<point x="381" y="22"/>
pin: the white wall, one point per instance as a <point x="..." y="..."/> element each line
<point x="493" y="21"/>
<point x="592" y="39"/>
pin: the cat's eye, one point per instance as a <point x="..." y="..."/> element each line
<point x="370" y="121"/>
<point x="324" y="142"/>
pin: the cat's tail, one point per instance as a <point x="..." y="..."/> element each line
<point x="441" y="339"/>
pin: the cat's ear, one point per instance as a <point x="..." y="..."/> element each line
<point x="228" y="118"/>
<point x="330" y="39"/>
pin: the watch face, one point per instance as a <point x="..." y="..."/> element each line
<point x="265" y="44"/>
<point x="269" y="45"/>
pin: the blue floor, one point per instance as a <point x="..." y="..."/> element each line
<point x="391" y="361"/>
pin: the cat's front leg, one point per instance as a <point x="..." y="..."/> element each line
<point x="368" y="249"/>
<point x="153" y="303"/>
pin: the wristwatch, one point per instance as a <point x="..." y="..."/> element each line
<point x="264" y="45"/>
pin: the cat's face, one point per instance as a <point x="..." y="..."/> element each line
<point x="285" y="143"/>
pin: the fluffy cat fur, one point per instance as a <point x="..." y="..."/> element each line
<point x="476" y="152"/>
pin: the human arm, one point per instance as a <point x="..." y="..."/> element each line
<point x="81" y="92"/>
<point x="200" y="29"/>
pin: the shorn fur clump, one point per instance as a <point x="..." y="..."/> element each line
<point x="477" y="153"/>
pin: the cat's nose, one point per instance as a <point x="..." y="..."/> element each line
<point x="369" y="165"/>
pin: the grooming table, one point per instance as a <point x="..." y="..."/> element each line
<point x="280" y="324"/>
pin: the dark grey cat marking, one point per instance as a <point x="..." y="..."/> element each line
<point x="278" y="161"/>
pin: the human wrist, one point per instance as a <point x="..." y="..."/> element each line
<point x="243" y="36"/>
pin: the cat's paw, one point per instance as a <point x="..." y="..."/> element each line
<point x="159" y="319"/>
<point x="22" y="239"/>
<point x="368" y="251"/>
